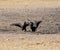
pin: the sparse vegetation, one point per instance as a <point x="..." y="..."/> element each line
<point x="47" y="35"/>
<point x="49" y="16"/>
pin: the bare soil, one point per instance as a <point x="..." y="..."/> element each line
<point x="47" y="36"/>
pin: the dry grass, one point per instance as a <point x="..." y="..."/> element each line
<point x="47" y="36"/>
<point x="14" y="41"/>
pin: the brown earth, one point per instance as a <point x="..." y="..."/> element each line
<point x="47" y="36"/>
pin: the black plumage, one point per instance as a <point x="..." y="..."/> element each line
<point x="34" y="25"/>
<point x="23" y="27"/>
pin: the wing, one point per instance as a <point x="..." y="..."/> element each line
<point x="17" y="24"/>
<point x="38" y="22"/>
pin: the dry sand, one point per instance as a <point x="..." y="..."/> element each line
<point x="29" y="42"/>
<point x="47" y="37"/>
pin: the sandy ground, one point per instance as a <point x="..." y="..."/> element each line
<point x="47" y="36"/>
<point x="29" y="41"/>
